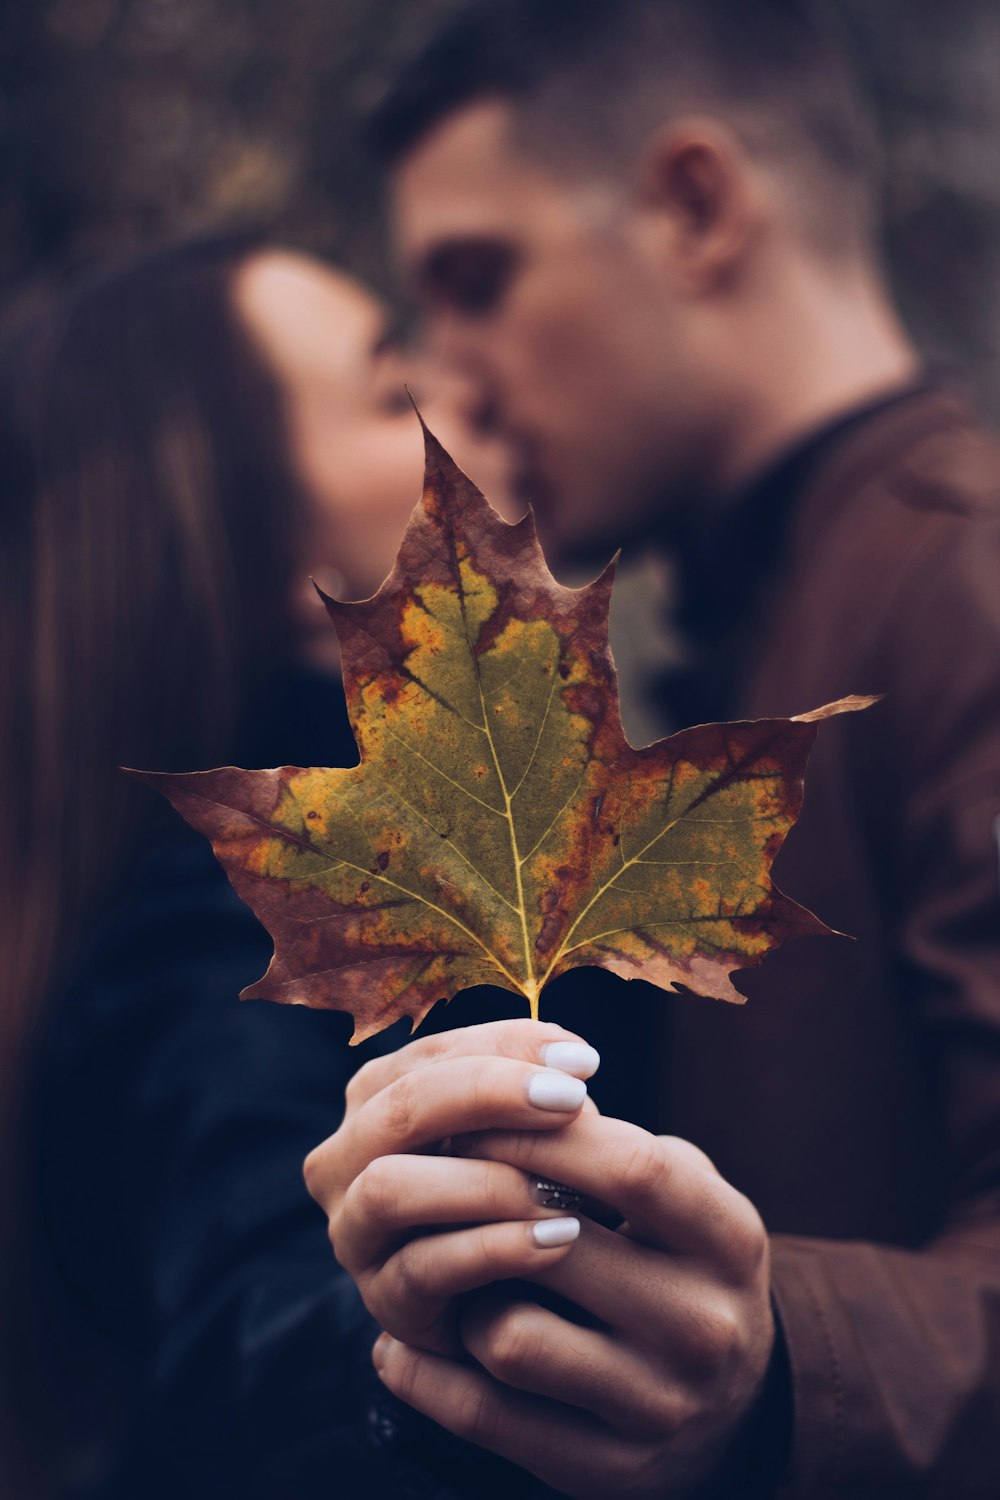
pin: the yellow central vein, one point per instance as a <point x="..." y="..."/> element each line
<point x="530" y="987"/>
<point x="445" y="839"/>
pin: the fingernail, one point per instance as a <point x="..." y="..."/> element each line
<point x="548" y="1233"/>
<point x="379" y="1348"/>
<point x="555" y="1090"/>
<point x="571" y="1057"/>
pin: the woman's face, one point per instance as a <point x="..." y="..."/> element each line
<point x="356" y="442"/>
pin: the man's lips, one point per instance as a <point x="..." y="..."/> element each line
<point x="531" y="486"/>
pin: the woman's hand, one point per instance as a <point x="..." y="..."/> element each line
<point x="646" y="1399"/>
<point x="382" y="1197"/>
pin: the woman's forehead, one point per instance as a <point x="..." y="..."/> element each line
<point x="304" y="311"/>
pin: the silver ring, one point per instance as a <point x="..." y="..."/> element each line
<point x="556" y="1194"/>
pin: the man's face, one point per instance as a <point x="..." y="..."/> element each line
<point x="547" y="292"/>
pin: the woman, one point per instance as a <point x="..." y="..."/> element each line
<point x="181" y="444"/>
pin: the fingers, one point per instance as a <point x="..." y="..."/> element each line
<point x="407" y="1280"/>
<point x="531" y="1349"/>
<point x="456" y="1095"/>
<point x="630" y="1287"/>
<point x="564" y="1449"/>
<point x="664" y="1310"/>
<point x="670" y="1194"/>
<point x="525" y="1040"/>
<point x="397" y="1194"/>
<point x="411" y="1295"/>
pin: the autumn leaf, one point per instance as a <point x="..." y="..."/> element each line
<point x="499" y="828"/>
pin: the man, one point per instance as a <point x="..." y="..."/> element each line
<point x="645" y="232"/>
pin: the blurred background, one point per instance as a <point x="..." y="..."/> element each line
<point x="123" y="122"/>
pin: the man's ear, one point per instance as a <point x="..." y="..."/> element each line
<point x="700" y="189"/>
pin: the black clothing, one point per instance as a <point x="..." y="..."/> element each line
<point x="173" y="1124"/>
<point x="729" y="555"/>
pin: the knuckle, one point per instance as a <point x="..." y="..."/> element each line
<point x="409" y="1274"/>
<point x="511" y="1148"/>
<point x="495" y="1189"/>
<point x="746" y="1240"/>
<point x="484" y="1249"/>
<point x="644" y="1170"/>
<point x="513" y="1347"/>
<point x="400" y="1109"/>
<point x="375" y="1190"/>
<point x="311" y="1171"/>
<point x="362" y="1084"/>
<point x="622" y="1472"/>
<point x="475" y="1416"/>
<point x="335" y="1221"/>
<point x="667" y="1412"/>
<point x="367" y="1285"/>
<point x="516" y="1147"/>
<point x="503" y="1191"/>
<point x="433" y="1048"/>
<point x="334" y="1233"/>
<point x="483" y="1083"/>
<point x="382" y="1310"/>
<point x="373" y="1295"/>
<point x="719" y="1340"/>
<point x="682" y="1147"/>
<point x="523" y="1038"/>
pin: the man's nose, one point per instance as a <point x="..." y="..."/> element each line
<point x="470" y="396"/>
<point x="452" y="346"/>
<point x="483" y="412"/>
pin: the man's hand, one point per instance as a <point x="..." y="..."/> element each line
<point x="382" y="1198"/>
<point x="644" y="1393"/>
<point x="647" y="1399"/>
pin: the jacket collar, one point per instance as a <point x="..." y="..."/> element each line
<point x="724" y="568"/>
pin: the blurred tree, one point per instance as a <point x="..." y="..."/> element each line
<point x="125" y="121"/>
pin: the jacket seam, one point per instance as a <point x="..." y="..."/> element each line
<point x="838" y="1388"/>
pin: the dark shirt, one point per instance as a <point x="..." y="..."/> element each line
<point x="173" y="1123"/>
<point x="728" y="558"/>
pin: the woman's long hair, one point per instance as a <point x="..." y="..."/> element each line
<point x="148" y="521"/>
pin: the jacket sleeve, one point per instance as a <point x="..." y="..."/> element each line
<point x="895" y="1353"/>
<point x="183" y="1122"/>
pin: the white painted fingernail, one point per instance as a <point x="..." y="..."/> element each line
<point x="554" y="1090"/>
<point x="548" y="1233"/>
<point x="571" y="1057"/>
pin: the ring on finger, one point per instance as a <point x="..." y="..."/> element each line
<point x="556" y="1194"/>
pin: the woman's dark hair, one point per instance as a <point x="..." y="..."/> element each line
<point x="148" y="523"/>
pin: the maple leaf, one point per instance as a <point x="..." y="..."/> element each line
<point x="499" y="827"/>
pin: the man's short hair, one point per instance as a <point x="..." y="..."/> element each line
<point x="591" y="79"/>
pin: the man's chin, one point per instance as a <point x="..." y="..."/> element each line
<point x="572" y="545"/>
<point x="579" y="533"/>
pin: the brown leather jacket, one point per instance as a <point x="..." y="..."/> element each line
<point x="856" y="1099"/>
